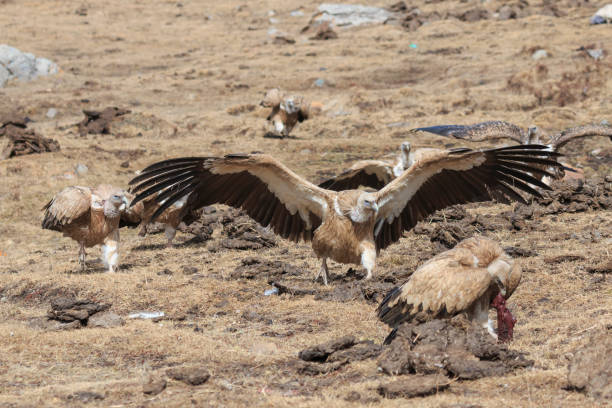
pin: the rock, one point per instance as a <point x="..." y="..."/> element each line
<point x="105" y="319"/>
<point x="51" y="113"/>
<point x="319" y="83"/>
<point x="596" y="54"/>
<point x="23" y="66"/>
<point x="67" y="309"/>
<point x="603" y="15"/>
<point x="322" y="351"/>
<point x="43" y="323"/>
<point x="81" y="170"/>
<point x="539" y="54"/>
<point x="414" y="386"/>
<point x="345" y="15"/>
<point x="146" y="315"/>
<point x="85" y="396"/>
<point x="153" y="385"/>
<point x="324" y="32"/>
<point x="590" y="371"/>
<point x="189" y="375"/>
<point x="506" y="13"/>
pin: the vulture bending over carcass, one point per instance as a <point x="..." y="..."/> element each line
<point x="287" y="111"/>
<point x="470" y="278"/>
<point x="90" y="217"/>
<point x="349" y="226"/>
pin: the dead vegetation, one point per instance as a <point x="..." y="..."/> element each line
<point x="221" y="340"/>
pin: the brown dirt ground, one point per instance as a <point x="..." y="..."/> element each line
<point x="199" y="66"/>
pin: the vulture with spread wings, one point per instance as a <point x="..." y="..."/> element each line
<point x="348" y="226"/>
<point x="90" y="217"/>
<point x="470" y="278"/>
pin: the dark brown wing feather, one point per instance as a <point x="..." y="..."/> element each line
<point x="240" y="190"/>
<point x="352" y="180"/>
<point x="498" y="178"/>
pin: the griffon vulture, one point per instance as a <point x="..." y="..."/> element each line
<point x="287" y="111"/>
<point x="348" y="226"/>
<point x="470" y="278"/>
<point x="90" y="217"/>
<point x="499" y="130"/>
<point x="173" y="218"/>
<point x="376" y="173"/>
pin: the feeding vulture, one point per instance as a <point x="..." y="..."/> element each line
<point x="175" y="217"/>
<point x="348" y="226"/>
<point x="90" y="217"/>
<point x="499" y="130"/>
<point x="470" y="278"/>
<point x="376" y="173"/>
<point x="287" y="111"/>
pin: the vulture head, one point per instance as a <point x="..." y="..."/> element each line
<point x="116" y="204"/>
<point x="366" y="208"/>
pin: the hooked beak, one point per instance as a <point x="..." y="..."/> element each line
<point x="125" y="205"/>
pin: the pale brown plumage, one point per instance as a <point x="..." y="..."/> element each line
<point x="287" y="110"/>
<point x="90" y="217"/>
<point x="348" y="226"/>
<point x="464" y="279"/>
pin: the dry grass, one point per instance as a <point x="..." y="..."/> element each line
<point x="188" y="65"/>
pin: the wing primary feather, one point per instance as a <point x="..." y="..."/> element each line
<point x="172" y="199"/>
<point x="161" y="186"/>
<point x="180" y="160"/>
<point x="520" y="175"/>
<point x="518" y="184"/>
<point x="524" y="167"/>
<point x="175" y="175"/>
<point x="506" y="189"/>
<point x="148" y="175"/>
<point x="531" y="159"/>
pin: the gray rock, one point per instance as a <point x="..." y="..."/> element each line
<point x="596" y="54"/>
<point x="351" y="14"/>
<point x="603" y="15"/>
<point x="539" y="54"/>
<point x="51" y="113"/>
<point x="81" y="169"/>
<point x="4" y="75"/>
<point x="22" y="65"/>
<point x="319" y="83"/>
<point x="105" y="319"/>
<point x="189" y="375"/>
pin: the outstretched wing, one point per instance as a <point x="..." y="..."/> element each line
<point x="458" y="176"/>
<point x="67" y="206"/>
<point x="481" y="131"/>
<point x="368" y="173"/>
<point x="268" y="191"/>
<point x="559" y="140"/>
<point x="445" y="285"/>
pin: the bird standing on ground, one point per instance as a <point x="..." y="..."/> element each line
<point x="470" y="278"/>
<point x="287" y="110"/>
<point x="349" y="226"/>
<point x="90" y="217"/>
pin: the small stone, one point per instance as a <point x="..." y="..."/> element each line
<point x="539" y="54"/>
<point x="81" y="170"/>
<point x="153" y="385"/>
<point x="51" y="113"/>
<point x="105" y="319"/>
<point x="596" y="54"/>
<point x="296" y="13"/>
<point x="125" y="164"/>
<point x="189" y="375"/>
<point x="319" y="83"/>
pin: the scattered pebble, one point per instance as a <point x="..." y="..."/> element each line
<point x="596" y="54"/>
<point x="539" y="54"/>
<point x="146" y="315"/>
<point x="81" y="170"/>
<point x="51" y="113"/>
<point x="296" y="13"/>
<point x="319" y="83"/>
<point x="269" y="292"/>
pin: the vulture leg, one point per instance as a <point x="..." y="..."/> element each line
<point x="480" y="314"/>
<point x="110" y="252"/>
<point x="368" y="260"/>
<point x="82" y="256"/>
<point x="323" y="272"/>
<point x="170" y="233"/>
<point x="143" y="230"/>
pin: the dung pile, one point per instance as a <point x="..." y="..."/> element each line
<point x="17" y="140"/>
<point x="455" y="348"/>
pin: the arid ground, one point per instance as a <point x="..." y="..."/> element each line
<point x="192" y="73"/>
